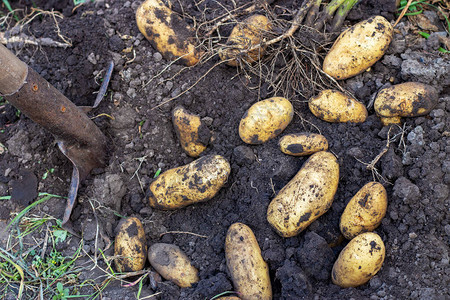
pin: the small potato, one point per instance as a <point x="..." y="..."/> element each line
<point x="245" y="35"/>
<point x="410" y="99"/>
<point x="130" y="245"/>
<point x="306" y="197"/>
<point x="265" y="120"/>
<point x="248" y="270"/>
<point x="195" y="182"/>
<point x="359" y="261"/>
<point x="358" y="48"/>
<point x="334" y="106"/>
<point x="304" y="143"/>
<point x="167" y="32"/>
<point x="193" y="134"/>
<point x="365" y="210"/>
<point x="172" y="264"/>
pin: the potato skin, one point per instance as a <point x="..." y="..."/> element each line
<point x="359" y="261"/>
<point x="249" y="271"/>
<point x="265" y="120"/>
<point x="358" y="48"/>
<point x="130" y="244"/>
<point x="334" y="106"/>
<point x="304" y="143"/>
<point x="167" y="32"/>
<point x="245" y="35"/>
<point x="192" y="133"/>
<point x="409" y="99"/>
<point x="365" y="210"/>
<point x="306" y="197"/>
<point x="172" y="264"/>
<point x="195" y="182"/>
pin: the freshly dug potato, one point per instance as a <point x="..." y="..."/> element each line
<point x="172" y="264"/>
<point x="334" y="106"/>
<point x="193" y="134"/>
<point x="167" y="32"/>
<point x="245" y="35"/>
<point x="409" y="99"/>
<point x="195" y="182"/>
<point x="248" y="270"/>
<point x="365" y="210"/>
<point x="265" y="120"/>
<point x="359" y="261"/>
<point x="130" y="245"/>
<point x="306" y="197"/>
<point x="358" y="48"/>
<point x="304" y="143"/>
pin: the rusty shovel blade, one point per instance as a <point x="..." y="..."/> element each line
<point x="79" y="139"/>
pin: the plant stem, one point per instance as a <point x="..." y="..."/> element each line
<point x="327" y="13"/>
<point x="312" y="15"/>
<point x="341" y="14"/>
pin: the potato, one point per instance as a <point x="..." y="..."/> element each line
<point x="245" y="35"/>
<point x="193" y="134"/>
<point x="409" y="99"/>
<point x="265" y="120"/>
<point x="195" y="182"/>
<point x="172" y="264"/>
<point x="306" y="197"/>
<point x="359" y="261"/>
<point x="248" y="270"/>
<point x="365" y="210"/>
<point x="304" y="143"/>
<point x="358" y="48"/>
<point x="130" y="245"/>
<point x="334" y="106"/>
<point x="167" y="32"/>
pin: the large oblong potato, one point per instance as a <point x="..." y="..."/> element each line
<point x="167" y="32"/>
<point x="306" y="197"/>
<point x="359" y="261"/>
<point x="265" y="120"/>
<point x="245" y="35"/>
<point x="334" y="106"/>
<point x="192" y="133"/>
<point x="248" y="270"/>
<point x="195" y="182"/>
<point x="304" y="143"/>
<point x="365" y="210"/>
<point x="172" y="264"/>
<point x="358" y="48"/>
<point x="409" y="99"/>
<point x="130" y="246"/>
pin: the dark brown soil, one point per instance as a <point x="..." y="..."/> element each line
<point x="416" y="169"/>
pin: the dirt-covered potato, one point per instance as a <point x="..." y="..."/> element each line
<point x="358" y="48"/>
<point x="193" y="134"/>
<point x="195" y="182"/>
<point x="248" y="270"/>
<point x="334" y="106"/>
<point x="303" y="143"/>
<point x="245" y="35"/>
<point x="167" y="32"/>
<point x="359" y="261"/>
<point x="265" y="120"/>
<point x="130" y="246"/>
<point x="306" y="197"/>
<point x="172" y="264"/>
<point x="365" y="210"/>
<point x="409" y="99"/>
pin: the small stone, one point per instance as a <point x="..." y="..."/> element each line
<point x="243" y="155"/>
<point x="91" y="58"/>
<point x="157" y="56"/>
<point x="131" y="92"/>
<point x="412" y="235"/>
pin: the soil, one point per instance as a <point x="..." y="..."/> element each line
<point x="415" y="170"/>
